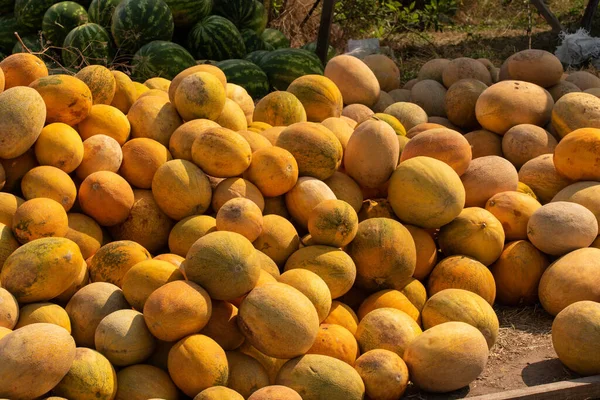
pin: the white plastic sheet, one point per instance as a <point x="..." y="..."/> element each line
<point x="578" y="48"/>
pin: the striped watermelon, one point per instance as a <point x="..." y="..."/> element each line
<point x="160" y="59"/>
<point x="275" y="38"/>
<point x="247" y="75"/>
<point x="87" y="44"/>
<point x="312" y="47"/>
<point x="256" y="56"/>
<point x="62" y="18"/>
<point x="7" y="6"/>
<point x="216" y="38"/>
<point x="254" y="42"/>
<point x="187" y="13"/>
<point x="101" y="12"/>
<point x="8" y="27"/>
<point x="245" y="14"/>
<point x="30" y="13"/>
<point x="283" y="66"/>
<point x="137" y="22"/>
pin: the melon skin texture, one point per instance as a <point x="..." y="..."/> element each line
<point x="141" y="382"/>
<point x="577" y="156"/>
<point x="576" y="337"/>
<point x="357" y="83"/>
<point x="535" y="66"/>
<point x="384" y="373"/>
<point x="273" y="392"/>
<point x="447" y="357"/>
<point x="574" y="111"/>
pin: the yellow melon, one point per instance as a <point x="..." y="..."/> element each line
<point x="320" y="97"/>
<point x="333" y="223"/>
<point x="246" y="375"/>
<point x="427" y="254"/>
<point x="389" y="299"/>
<point x="101" y="82"/>
<point x="242" y="216"/>
<point x="340" y="129"/>
<point x="113" y="260"/>
<point x="39" y="218"/>
<point x="211" y="69"/>
<point x="141" y="381"/>
<point x="140" y="89"/>
<point x="105" y="120"/>
<point x="49" y="182"/>
<point x="272" y="134"/>
<point x="8" y="206"/>
<point x="577" y="156"/>
<point x="384" y="373"/>
<point x="487" y="176"/>
<point x="158" y="84"/>
<point x="416" y="293"/>
<point x="233" y="188"/>
<point x="356" y="81"/>
<point x="218" y="393"/>
<point x="255" y="140"/>
<point x="141" y="158"/>
<point x="21" y="69"/>
<point x="386" y="71"/>
<point x="388" y="329"/>
<point x="484" y="143"/>
<point x="100" y="153"/>
<point x="232" y="117"/>
<point x="548" y="68"/>
<point x="525" y="142"/>
<point x="274" y="392"/>
<point x="337" y="342"/>
<point x="154" y="118"/>
<point x="106" y="197"/>
<point x="583" y="193"/>
<point x="241" y="97"/>
<point x="185" y="233"/>
<point x="312" y="286"/>
<point x="59" y="146"/>
<point x="409" y="114"/>
<point x="155" y="92"/>
<point x="221" y="153"/>
<point x="9" y="308"/>
<point x="279" y="109"/>
<point x="67" y="99"/>
<point x="278" y="239"/>
<point x="83" y="279"/>
<point x="460" y="101"/>
<point x="341" y="314"/>
<point x="446" y="357"/>
<point x="276" y="205"/>
<point x="274" y="170"/>
<point x="258" y="127"/>
<point x="199" y="95"/>
<point x="575" y="111"/>
<point x="222" y="326"/>
<point x="125" y="93"/>
<point x="144" y="278"/>
<point x="346" y="189"/>
<point x="306" y="195"/>
<point x="43" y="313"/>
<point x="358" y="113"/>
<point x="463" y="68"/>
<point x="513" y="210"/>
<point x="542" y="177"/>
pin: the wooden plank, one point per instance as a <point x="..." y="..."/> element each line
<point x="584" y="388"/>
<point x="548" y="15"/>
<point x="325" y="30"/>
<point x="588" y="15"/>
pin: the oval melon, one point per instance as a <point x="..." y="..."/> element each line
<point x="141" y="158"/>
<point x="144" y="278"/>
<point x="21" y="69"/>
<point x="199" y="95"/>
<point x="232" y="188"/>
<point x="358" y="113"/>
<point x="182" y="139"/>
<point x="312" y="286"/>
<point x="59" y="146"/>
<point x="222" y="326"/>
<point x="388" y="329"/>
<point x="101" y="82"/>
<point x="513" y="210"/>
<point x="463" y="68"/>
<point x="577" y="156"/>
<point x="333" y="223"/>
<point x="409" y="114"/>
<point x="106" y="197"/>
<point x="274" y="392"/>
<point x="278" y="239"/>
<point x="246" y="375"/>
<point x="320" y="97"/>
<point x="304" y="196"/>
<point x="279" y="109"/>
<point x="67" y="99"/>
<point x="487" y="176"/>
<point x="385" y="70"/>
<point x="337" y="342"/>
<point x="356" y="81"/>
<point x="433" y="69"/>
<point x="574" y="111"/>
<point x="431" y="96"/>
<point x="39" y="218"/>
<point x="100" y="153"/>
<point x="221" y="153"/>
<point x="583" y="79"/>
<point x="9" y="310"/>
<point x="105" y="120"/>
<point x="484" y="143"/>
<point x="384" y="373"/>
<point x="274" y="170"/>
<point x="542" y="177"/>
<point x="142" y="382"/>
<point x="535" y="66"/>
<point x="232" y="117"/>
<point x="114" y="259"/>
<point x="48" y="313"/>
<point x="49" y="182"/>
<point x="185" y="233"/>
<point x="586" y="194"/>
<point x="525" y="142"/>
<point x="460" y="102"/>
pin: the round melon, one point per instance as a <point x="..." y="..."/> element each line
<point x="312" y="286"/>
<point x="400" y="95"/>
<point x="427" y="254"/>
<point x="241" y="97"/>
<point x="255" y="140"/>
<point x="51" y="183"/>
<point x="333" y="223"/>
<point x="67" y="99"/>
<point x="584" y="80"/>
<point x="200" y="95"/>
<point x="575" y="111"/>
<point x="542" y="177"/>
<point x="232" y="188"/>
<point x="484" y="143"/>
<point x="315" y="376"/>
<point x="43" y="313"/>
<point x="562" y="227"/>
<point x="525" y="142"/>
<point x="105" y="120"/>
<point x="357" y="112"/>
<point x="447" y="357"/>
<point x="211" y="69"/>
<point x="341" y="314"/>
<point x="575" y="337"/>
<point x="274" y="392"/>
<point x="21" y="69"/>
<point x="433" y="69"/>
<point x="222" y="326"/>
<point x="240" y="215"/>
<point x="144" y="278"/>
<point x="100" y="81"/>
<point x="465" y="68"/>
<point x="561" y="89"/>
<point x="535" y="66"/>
<point x="409" y="114"/>
<point x="460" y="102"/>
<point x="218" y="393"/>
<point x="246" y="375"/>
<point x="232" y="117"/>
<point x="185" y="233"/>
<point x="141" y="158"/>
<point x="384" y="374"/>
<point x="513" y="210"/>
<point x="577" y="156"/>
<point x="385" y="100"/>
<point x="125" y="93"/>
<point x="462" y="272"/>
<point x="346" y="189"/>
<point x="356" y="81"/>
<point x="34" y="359"/>
<point x="584" y="193"/>
<point x="389" y="299"/>
<point x="372" y="154"/>
<point x="9" y="308"/>
<point x="100" y="153"/>
<point x="430" y="95"/>
<point x="388" y="329"/>
<point x="517" y="273"/>
<point x="487" y="176"/>
<point x="279" y="109"/>
<point x="59" y="146"/>
<point x="416" y="293"/>
<point x="142" y="381"/>
<point x="320" y="97"/>
<point x="154" y="118"/>
<point x="426" y="192"/>
<point x="385" y="70"/>
<point x="106" y="197"/>
<point x="181" y="189"/>
<point x="223" y="257"/>
<point x="221" y="153"/>
<point x="274" y="170"/>
<point x="278" y="239"/>
<point x="114" y="259"/>
<point x="304" y="196"/>
<point x="337" y="342"/>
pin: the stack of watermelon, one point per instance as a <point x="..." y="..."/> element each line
<point x="158" y="38"/>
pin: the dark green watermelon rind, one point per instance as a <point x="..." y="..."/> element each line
<point x="254" y="42"/>
<point x="138" y="22"/>
<point x="283" y="66"/>
<point x="247" y="75"/>
<point x="187" y="13"/>
<point x="87" y="45"/>
<point x="160" y="59"/>
<point x="60" y="19"/>
<point x="216" y="38"/>
<point x="34" y="43"/>
<point x="101" y="11"/>
<point x="8" y="26"/>
<point x="275" y="38"/>
<point x="258" y="20"/>
<point x="30" y="13"/>
<point x="312" y="47"/>
<point x="256" y="56"/>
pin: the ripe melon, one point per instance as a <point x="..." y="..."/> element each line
<point x="125" y="93"/>
<point x="232" y="117"/>
<point x="312" y="286"/>
<point x="576" y="111"/>
<point x="49" y="182"/>
<point x="562" y="227"/>
<point x="100" y="153"/>
<point x="384" y="373"/>
<point x="315" y="376"/>
<point x="105" y="120"/>
<point x="242" y="216"/>
<point x="211" y="69"/>
<point x="462" y="306"/>
<point x="8" y="206"/>
<point x="271" y="364"/>
<point x="91" y="377"/>
<point x="316" y="149"/>
<point x="188" y="230"/>
<point x="372" y="154"/>
<point x="418" y="129"/>
<point x="67" y="99"/>
<point x="416" y="293"/>
<point x="171" y="258"/>
<point x="346" y="189"/>
<point x="141" y="158"/>
<point x="385" y="100"/>
<point x="358" y="113"/>
<point x="409" y="114"/>
<point x="577" y="156"/>
<point x="272" y="134"/>
<point x="389" y="299"/>
<point x="223" y="257"/>
<point x="385" y="70"/>
<point x="59" y="146"/>
<point x="426" y="192"/>
<point x="431" y="96"/>
<point x="427" y="254"/>
<point x="101" y="82"/>
<point x="141" y="381"/>
<point x="34" y="359"/>
<point x="40" y="313"/>
<point x="356" y="81"/>
<point x="542" y="177"/>
<point x="510" y="103"/>
<point x="177" y="309"/>
<point x="124" y="339"/>
<point x="246" y="375"/>
<point x="535" y="66"/>
<point x="465" y="68"/>
<point x="575" y="337"/>
<point x="276" y="206"/>
<point x="144" y="278"/>
<point x="154" y="118"/>
<point x="278" y="320"/>
<point x="400" y="95"/>
<point x="388" y="329"/>
<point x="586" y="194"/>
<point x="460" y="102"/>
<point x="9" y="310"/>
<point x="181" y="189"/>
<point x="433" y="69"/>
<point x="342" y="315"/>
<point x="446" y="357"/>
<point x="222" y="326"/>
<point x="258" y="127"/>
<point x="487" y="176"/>
<point x="517" y="273"/>
<point x="199" y="95"/>
<point x="255" y="140"/>
<point x="583" y="79"/>
<point x="154" y="92"/>
<point x="83" y="279"/>
<point x="274" y="170"/>
<point x="525" y="142"/>
<point x="278" y="240"/>
<point x="475" y="233"/>
<point x="218" y="393"/>
<point x="21" y="69"/>
<point x="114" y="259"/>
<point x="462" y="272"/>
<point x="106" y="197"/>
<point x="274" y="392"/>
<point x="241" y="97"/>
<point x="337" y="342"/>
<point x="320" y="97"/>
<point x="561" y="89"/>
<point x="279" y="109"/>
<point x="513" y="210"/>
<point x="182" y="139"/>
<point x="39" y="218"/>
<point x="333" y="223"/>
<point x="523" y="188"/>
<point x="304" y="196"/>
<point x="484" y="143"/>
<point x="221" y="152"/>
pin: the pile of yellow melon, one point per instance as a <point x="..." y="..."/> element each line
<point x="338" y="240"/>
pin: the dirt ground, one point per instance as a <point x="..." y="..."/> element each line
<point x="523" y="356"/>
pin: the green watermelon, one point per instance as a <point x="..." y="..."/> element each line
<point x="312" y="46"/>
<point x="283" y="66"/>
<point x="254" y="42"/>
<point x="245" y="14"/>
<point x="256" y="56"/>
<point x="247" y="75"/>
<point x="137" y="22"/>
<point x="101" y="12"/>
<point x="62" y="18"/>
<point x="216" y="38"/>
<point x="7" y="6"/>
<point x="275" y="38"/>
<point x="187" y="13"/>
<point x="30" y="13"/>
<point x="160" y="59"/>
<point x="34" y="43"/>
<point x="8" y="27"/>
<point x="86" y="45"/>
